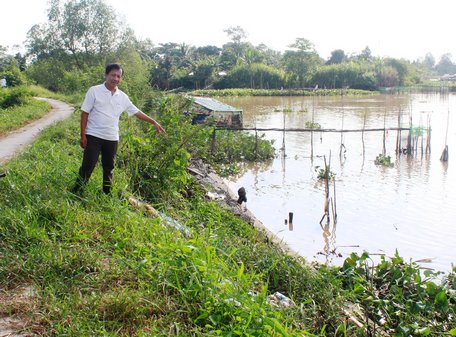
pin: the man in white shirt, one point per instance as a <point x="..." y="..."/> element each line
<point x="100" y="113"/>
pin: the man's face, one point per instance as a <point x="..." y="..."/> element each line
<point x="113" y="78"/>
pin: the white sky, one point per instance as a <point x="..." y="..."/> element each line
<point x="396" y="28"/>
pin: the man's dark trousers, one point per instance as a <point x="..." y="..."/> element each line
<point x="95" y="146"/>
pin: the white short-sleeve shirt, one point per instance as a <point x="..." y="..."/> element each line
<point x="104" y="109"/>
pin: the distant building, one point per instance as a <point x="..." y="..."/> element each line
<point x="3" y="82"/>
<point x="448" y="77"/>
<point x="209" y="110"/>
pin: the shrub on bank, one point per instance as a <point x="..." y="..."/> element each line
<point x="279" y="92"/>
<point x="14" y="96"/>
<point x="18" y="108"/>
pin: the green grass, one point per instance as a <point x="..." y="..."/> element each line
<point x="76" y="98"/>
<point x="103" y="268"/>
<point x="15" y="117"/>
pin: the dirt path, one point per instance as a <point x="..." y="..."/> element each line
<point x="15" y="141"/>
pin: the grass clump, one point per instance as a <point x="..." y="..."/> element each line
<point x="278" y="92"/>
<point x="313" y="125"/>
<point x="383" y="160"/>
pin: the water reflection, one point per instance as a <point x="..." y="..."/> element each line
<point x="409" y="206"/>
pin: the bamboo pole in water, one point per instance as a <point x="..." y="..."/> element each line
<point x="283" y="136"/>
<point x="327" y="173"/>
<point x="428" y="143"/>
<point x="444" y="156"/>
<point x="398" y="139"/>
<point x="311" y="132"/>
<point x="335" y="203"/>
<point x="384" y="133"/>
<point x="422" y="138"/>
<point x="362" y="135"/>
<point x="342" y="134"/>
<point x="333" y="210"/>
<point x="256" y="145"/>
<point x="409" y="138"/>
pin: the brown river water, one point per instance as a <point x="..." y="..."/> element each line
<point x="410" y="207"/>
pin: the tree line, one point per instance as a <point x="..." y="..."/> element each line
<point x="68" y="53"/>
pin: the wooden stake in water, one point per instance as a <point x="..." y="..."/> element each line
<point x="342" y="146"/>
<point x="311" y="131"/>
<point x="428" y="143"/>
<point x="335" y="203"/>
<point x="290" y="221"/>
<point x="327" y="174"/>
<point x="384" y="132"/>
<point x="398" y="139"/>
<point x="409" y="138"/>
<point x="362" y="136"/>
<point x="283" y="139"/>
<point x="444" y="156"/>
<point x="256" y="144"/>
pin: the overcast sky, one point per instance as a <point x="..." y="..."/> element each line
<point x="397" y="28"/>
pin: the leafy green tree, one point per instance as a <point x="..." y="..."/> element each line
<point x="366" y="55"/>
<point x="145" y="48"/>
<point x="234" y="52"/>
<point x="445" y="65"/>
<point x="228" y="59"/>
<point x="403" y="69"/>
<point x="48" y="72"/>
<point x="424" y="68"/>
<point x="136" y="72"/>
<point x="429" y="61"/>
<point x="237" y="35"/>
<point x="206" y="51"/>
<point x="254" y="76"/>
<point x="204" y="72"/>
<point x="86" y="29"/>
<point x="12" y="73"/>
<point x="387" y="76"/>
<point x="10" y="69"/>
<point x="352" y="74"/>
<point x="160" y="74"/>
<point x="4" y="57"/>
<point x="253" y="55"/>
<point x="21" y="61"/>
<point x="269" y="56"/>
<point x="337" y="56"/>
<point x="301" y="64"/>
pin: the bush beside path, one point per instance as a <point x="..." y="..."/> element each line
<point x="14" y="142"/>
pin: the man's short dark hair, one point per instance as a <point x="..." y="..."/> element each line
<point x="113" y="66"/>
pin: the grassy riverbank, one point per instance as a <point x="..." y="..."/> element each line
<point x="98" y="266"/>
<point x="18" y="108"/>
<point x="277" y="92"/>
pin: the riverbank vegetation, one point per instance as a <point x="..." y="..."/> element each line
<point x="279" y="92"/>
<point x="100" y="266"/>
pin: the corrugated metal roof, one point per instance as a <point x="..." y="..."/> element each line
<point x="214" y="105"/>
